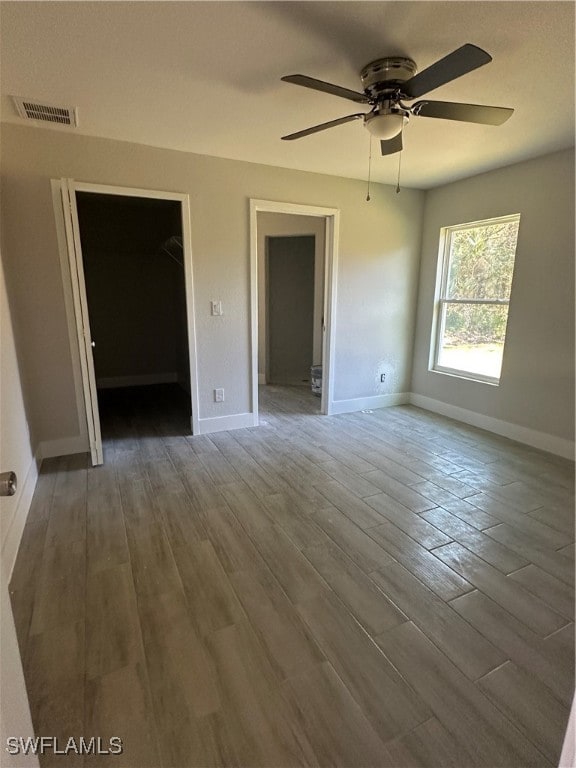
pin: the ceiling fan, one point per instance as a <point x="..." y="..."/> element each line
<point x="391" y="81"/>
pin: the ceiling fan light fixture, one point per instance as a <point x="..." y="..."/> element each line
<point x="386" y="125"/>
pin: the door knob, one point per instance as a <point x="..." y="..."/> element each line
<point x="92" y="343"/>
<point x="8" y="483"/>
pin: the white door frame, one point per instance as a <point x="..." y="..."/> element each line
<point x="332" y="219"/>
<point x="68" y="231"/>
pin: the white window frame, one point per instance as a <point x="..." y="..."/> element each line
<point x="440" y="299"/>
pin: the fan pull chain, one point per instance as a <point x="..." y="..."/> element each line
<point x="369" y="168"/>
<point x="399" y="167"/>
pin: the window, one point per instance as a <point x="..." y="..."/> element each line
<point x="474" y="284"/>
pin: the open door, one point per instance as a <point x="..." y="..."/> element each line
<point x="85" y="343"/>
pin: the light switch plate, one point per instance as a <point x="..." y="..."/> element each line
<point x="218" y="395"/>
<point x="216" y="308"/>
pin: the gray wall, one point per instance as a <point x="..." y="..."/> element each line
<point x="379" y="256"/>
<point x="290" y="292"/>
<point x="286" y="224"/>
<point x="536" y="388"/>
<point x="135" y="291"/>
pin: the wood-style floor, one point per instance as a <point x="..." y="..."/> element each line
<point x="388" y="588"/>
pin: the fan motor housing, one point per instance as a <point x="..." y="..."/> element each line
<point x="386" y="74"/>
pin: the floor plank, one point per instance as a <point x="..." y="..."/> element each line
<point x="208" y="590"/>
<point x="390" y="704"/>
<point x="429" y="744"/>
<point x="113" y="637"/>
<point x="364" y="600"/>
<point x="298" y="578"/>
<point x="517" y="518"/>
<point x="538" y="714"/>
<point x="365" y="552"/>
<point x="457" y="702"/>
<point x="232" y="544"/>
<point x="290" y="646"/>
<point x="262" y="724"/>
<point x="476" y="541"/>
<point x="60" y="593"/>
<point x="119" y="704"/>
<point x="336" y="727"/>
<point x="106" y="543"/>
<point x="354" y="508"/>
<point x="522" y="646"/>
<point x="507" y="593"/>
<point x="550" y="590"/>
<point x="441" y="579"/>
<point x="67" y="520"/>
<point x="153" y="564"/>
<point x="530" y="547"/>
<point x="400" y="492"/>
<point x="467" y="648"/>
<point x="182" y="678"/>
<point x="414" y="525"/>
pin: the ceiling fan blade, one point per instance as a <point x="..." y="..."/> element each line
<point x="391" y="146"/>
<point x="322" y="127"/>
<point x="320" y="85"/>
<point x="468" y="113"/>
<point x="461" y="61"/>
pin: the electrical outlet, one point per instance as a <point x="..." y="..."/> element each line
<point x="218" y="395"/>
<point x="382" y="378"/>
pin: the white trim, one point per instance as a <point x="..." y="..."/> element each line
<point x="83" y="335"/>
<point x="330" y="300"/>
<point x="457" y="373"/>
<point x="190" y="308"/>
<point x="254" y="309"/>
<point x="15" y="529"/>
<point x="63" y="446"/>
<point x="105" y="189"/>
<point x="76" y="340"/>
<point x="141" y="380"/>
<point x="543" y="441"/>
<point x="69" y="305"/>
<point x="224" y="423"/>
<point x="372" y="402"/>
<point x="261" y="378"/>
<point x="332" y="219"/>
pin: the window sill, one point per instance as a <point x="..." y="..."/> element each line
<point x="466" y="376"/>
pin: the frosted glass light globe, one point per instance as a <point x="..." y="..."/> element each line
<point x="385" y="126"/>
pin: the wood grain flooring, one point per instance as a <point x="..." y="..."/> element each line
<point x="389" y="589"/>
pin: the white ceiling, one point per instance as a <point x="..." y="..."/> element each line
<point x="205" y="77"/>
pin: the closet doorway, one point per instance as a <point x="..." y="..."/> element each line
<point x="292" y="325"/>
<point x="293" y="251"/>
<point x="128" y="279"/>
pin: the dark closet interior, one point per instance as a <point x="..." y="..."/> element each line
<point x="134" y="273"/>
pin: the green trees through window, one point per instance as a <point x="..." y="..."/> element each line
<point x="475" y="281"/>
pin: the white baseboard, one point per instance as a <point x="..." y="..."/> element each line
<point x="372" y="402"/>
<point x="141" y="380"/>
<point x="14" y="533"/>
<point x="224" y="423"/>
<point x="541" y="440"/>
<point x="261" y="378"/>
<point x="64" y="446"/>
